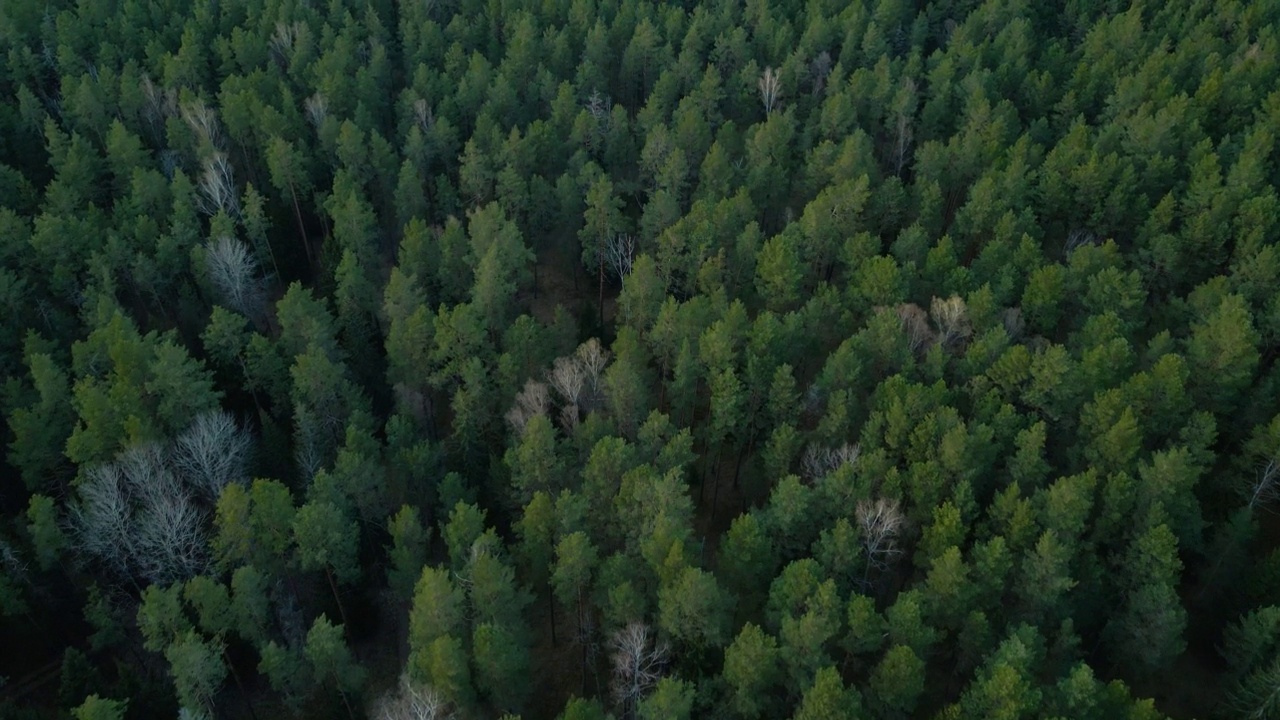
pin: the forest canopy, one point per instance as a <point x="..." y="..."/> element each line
<point x="586" y="359"/>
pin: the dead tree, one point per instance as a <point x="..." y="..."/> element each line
<point x="314" y="440"/>
<point x="101" y="517"/>
<point x="317" y="110"/>
<point x="904" y="109"/>
<point x="423" y="114"/>
<point x="218" y="187"/>
<point x="203" y="121"/>
<point x="819" y="70"/>
<point x="171" y="539"/>
<point x="880" y="522"/>
<point x="283" y="41"/>
<point x="638" y="660"/>
<point x="533" y="400"/>
<point x="819" y="462"/>
<point x="160" y="105"/>
<point x="568" y="378"/>
<point x="1266" y="489"/>
<point x="412" y="701"/>
<point x="770" y="88"/>
<point x="594" y="359"/>
<point x="620" y="253"/>
<point x="951" y="318"/>
<point x="233" y="271"/>
<point x="135" y="515"/>
<point x="213" y="452"/>
<point x="915" y="323"/>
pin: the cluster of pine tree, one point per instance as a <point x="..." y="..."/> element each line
<point x="585" y="359"/>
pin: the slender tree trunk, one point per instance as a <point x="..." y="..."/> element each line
<point x="248" y="701"/>
<point x="582" y="641"/>
<point x="350" y="713"/>
<point x="715" y="492"/>
<point x="600" y="274"/>
<point x="737" y="468"/>
<point x="334" y="586"/>
<point x="551" y="605"/>
<point x="297" y="213"/>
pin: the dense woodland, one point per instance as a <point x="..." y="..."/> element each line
<point x="596" y="359"/>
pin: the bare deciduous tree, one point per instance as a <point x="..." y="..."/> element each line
<point x="171" y="541"/>
<point x="915" y="323"/>
<point x="770" y="87"/>
<point x="283" y="40"/>
<point x="819" y="70"/>
<point x="819" y="462"/>
<point x="576" y="379"/>
<point x="568" y="377"/>
<point x="1266" y="489"/>
<point x="317" y="109"/>
<point x="598" y="106"/>
<point x="101" y="517"/>
<point x="533" y="400"/>
<point x="412" y="701"/>
<point x="218" y="187"/>
<point x="423" y="114"/>
<point x="161" y="104"/>
<point x="1014" y="323"/>
<point x="1079" y="237"/>
<point x="904" y="110"/>
<point x="136" y="516"/>
<point x="233" y="270"/>
<point x="12" y="564"/>
<point x="880" y="522"/>
<point x="213" y="452"/>
<point x="311" y="449"/>
<point x="594" y="358"/>
<point x="203" y="121"/>
<point x="620" y="253"/>
<point x="638" y="660"/>
<point x="951" y="318"/>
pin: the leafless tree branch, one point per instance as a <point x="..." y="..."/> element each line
<point x="317" y="109"/>
<point x="951" y="318"/>
<point x="218" y="187"/>
<point x="819" y="462"/>
<point x="915" y="323"/>
<point x="1266" y="489"/>
<point x="533" y="400"/>
<point x="233" y="270"/>
<point x="203" y="121"/>
<point x="638" y="660"/>
<point x="594" y="358"/>
<point x="620" y="253"/>
<point x="770" y="88"/>
<point x="213" y="452"/>
<point x="880" y="521"/>
<point x="412" y="701"/>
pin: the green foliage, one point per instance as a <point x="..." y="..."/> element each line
<point x="198" y="669"/>
<point x="330" y="658"/>
<point x="919" y="338"/>
<point x="408" y="551"/>
<point x="327" y="540"/>
<point x="96" y="708"/>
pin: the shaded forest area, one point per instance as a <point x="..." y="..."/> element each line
<point x="590" y="359"/>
